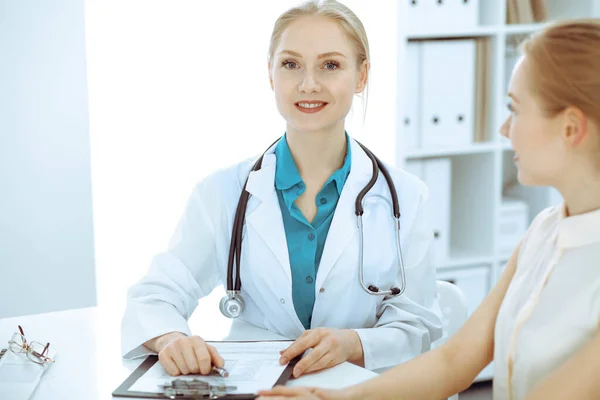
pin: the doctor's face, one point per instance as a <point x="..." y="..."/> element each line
<point x="315" y="75"/>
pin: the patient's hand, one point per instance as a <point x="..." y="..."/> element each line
<point x="299" y="393"/>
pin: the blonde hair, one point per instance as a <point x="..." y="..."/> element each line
<point x="338" y="12"/>
<point x="565" y="61"/>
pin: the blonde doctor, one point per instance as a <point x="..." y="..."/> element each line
<point x="300" y="269"/>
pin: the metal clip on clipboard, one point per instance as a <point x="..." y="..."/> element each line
<point x="194" y="389"/>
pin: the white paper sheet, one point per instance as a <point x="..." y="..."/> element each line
<point x="20" y="376"/>
<point x="252" y="366"/>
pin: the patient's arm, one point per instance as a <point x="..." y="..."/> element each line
<point x="453" y="366"/>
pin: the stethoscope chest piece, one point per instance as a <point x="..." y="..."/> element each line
<point x="232" y="305"/>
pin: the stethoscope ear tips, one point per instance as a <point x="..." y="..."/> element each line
<point x="395" y="291"/>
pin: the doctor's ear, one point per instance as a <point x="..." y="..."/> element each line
<point x="270" y="75"/>
<point x="363" y="76"/>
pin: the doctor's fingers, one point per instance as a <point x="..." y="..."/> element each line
<point x="215" y="356"/>
<point x="168" y="364"/>
<point x="318" y="358"/>
<point x="206" y="355"/>
<point x="308" y="340"/>
<point x="327" y="361"/>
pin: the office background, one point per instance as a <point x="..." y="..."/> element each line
<point x="111" y="110"/>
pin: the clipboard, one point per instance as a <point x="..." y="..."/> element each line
<point x="123" y="389"/>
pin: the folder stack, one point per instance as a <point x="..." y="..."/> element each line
<point x="525" y="11"/>
<point x="434" y="15"/>
<point x="440" y="94"/>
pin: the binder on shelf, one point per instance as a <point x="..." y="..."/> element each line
<point x="436" y="173"/>
<point x="525" y="11"/>
<point x="482" y="75"/>
<point x="434" y="15"/>
<point x="448" y="95"/>
<point x="412" y="95"/>
<point x="539" y="10"/>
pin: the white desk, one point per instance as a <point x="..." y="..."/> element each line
<point x="89" y="365"/>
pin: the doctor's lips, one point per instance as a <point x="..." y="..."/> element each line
<point x="310" y="106"/>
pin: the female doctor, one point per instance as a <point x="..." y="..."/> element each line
<point x="300" y="269"/>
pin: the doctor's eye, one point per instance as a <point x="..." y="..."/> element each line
<point x="289" y="64"/>
<point x="331" y="65"/>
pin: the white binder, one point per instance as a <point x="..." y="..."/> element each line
<point x="447" y="101"/>
<point x="417" y="12"/>
<point x="436" y="173"/>
<point x="440" y="15"/>
<point x="457" y="14"/>
<point x="412" y="118"/>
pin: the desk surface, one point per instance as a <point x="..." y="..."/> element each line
<point x="89" y="365"/>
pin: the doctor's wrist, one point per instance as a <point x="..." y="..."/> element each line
<point x="160" y="342"/>
<point x="357" y="355"/>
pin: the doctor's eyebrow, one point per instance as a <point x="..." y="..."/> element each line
<point x="323" y="55"/>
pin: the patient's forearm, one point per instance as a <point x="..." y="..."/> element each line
<point x="429" y="376"/>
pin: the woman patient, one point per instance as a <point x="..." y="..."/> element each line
<point x="540" y="324"/>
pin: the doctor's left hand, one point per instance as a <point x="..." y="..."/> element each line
<point x="329" y="346"/>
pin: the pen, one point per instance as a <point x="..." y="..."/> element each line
<point x="220" y="371"/>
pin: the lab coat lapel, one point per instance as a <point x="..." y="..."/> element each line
<point x="344" y="224"/>
<point x="266" y="217"/>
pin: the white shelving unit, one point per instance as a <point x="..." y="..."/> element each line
<point x="482" y="173"/>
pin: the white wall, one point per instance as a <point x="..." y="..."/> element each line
<point x="46" y="239"/>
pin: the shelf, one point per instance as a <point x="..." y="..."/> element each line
<point x="478" y="31"/>
<point x="523" y="29"/>
<point x="476" y="148"/>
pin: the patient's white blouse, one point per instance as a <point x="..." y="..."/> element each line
<point x="552" y="306"/>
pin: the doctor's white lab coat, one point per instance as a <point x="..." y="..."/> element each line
<point x="392" y="329"/>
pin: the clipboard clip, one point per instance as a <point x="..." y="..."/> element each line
<point x="194" y="389"/>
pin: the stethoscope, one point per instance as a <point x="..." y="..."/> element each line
<point x="232" y="305"/>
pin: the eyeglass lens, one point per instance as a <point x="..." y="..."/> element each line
<point x="17" y="343"/>
<point x="37" y="352"/>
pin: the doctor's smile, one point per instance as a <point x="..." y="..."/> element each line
<point x="310" y="106"/>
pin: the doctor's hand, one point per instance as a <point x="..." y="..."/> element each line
<point x="183" y="355"/>
<point x="329" y="346"/>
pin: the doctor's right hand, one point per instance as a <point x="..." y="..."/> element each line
<point x="182" y="355"/>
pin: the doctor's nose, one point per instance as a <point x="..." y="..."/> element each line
<point x="309" y="84"/>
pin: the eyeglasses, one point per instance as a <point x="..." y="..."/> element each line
<point x="36" y="352"/>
